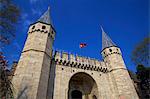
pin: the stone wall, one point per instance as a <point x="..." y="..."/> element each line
<point x="86" y="63"/>
<point x="68" y="65"/>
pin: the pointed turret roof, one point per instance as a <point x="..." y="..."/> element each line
<point x="106" y="41"/>
<point x="45" y="18"/>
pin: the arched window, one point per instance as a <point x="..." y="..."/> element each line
<point x="43" y="27"/>
<point x="76" y="94"/>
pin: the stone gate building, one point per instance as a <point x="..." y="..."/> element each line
<point x="44" y="74"/>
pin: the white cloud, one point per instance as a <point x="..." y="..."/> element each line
<point x="24" y="16"/>
<point x="36" y="12"/>
<point x="33" y="1"/>
<point x="25" y="20"/>
<point x="0" y="49"/>
<point x="16" y="45"/>
<point x="26" y="23"/>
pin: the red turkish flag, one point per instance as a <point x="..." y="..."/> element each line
<point x="82" y="45"/>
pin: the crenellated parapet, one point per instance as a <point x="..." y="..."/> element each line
<point x="86" y="63"/>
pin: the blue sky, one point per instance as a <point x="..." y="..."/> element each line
<point x="125" y="21"/>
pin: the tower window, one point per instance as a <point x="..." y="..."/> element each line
<point x="43" y="27"/>
<point x="52" y="32"/>
<point x="104" y="52"/>
<point x="33" y="27"/>
<point x="110" y="50"/>
<point x="49" y="34"/>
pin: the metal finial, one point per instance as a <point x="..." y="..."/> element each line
<point x="49" y="8"/>
<point x="102" y="29"/>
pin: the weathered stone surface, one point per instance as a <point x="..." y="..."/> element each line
<point x="32" y="73"/>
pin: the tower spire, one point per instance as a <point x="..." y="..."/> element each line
<point x="45" y="18"/>
<point x="106" y="40"/>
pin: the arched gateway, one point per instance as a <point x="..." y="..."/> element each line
<point x="82" y="86"/>
<point x="43" y="75"/>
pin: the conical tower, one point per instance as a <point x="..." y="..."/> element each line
<point x="118" y="72"/>
<point x="106" y="41"/>
<point x="46" y="18"/>
<point x="32" y="73"/>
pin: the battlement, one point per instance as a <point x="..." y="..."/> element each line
<point x="86" y="63"/>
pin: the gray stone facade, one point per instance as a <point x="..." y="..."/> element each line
<point x="44" y="74"/>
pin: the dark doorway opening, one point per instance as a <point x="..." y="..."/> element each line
<point x="94" y="97"/>
<point x="76" y="94"/>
